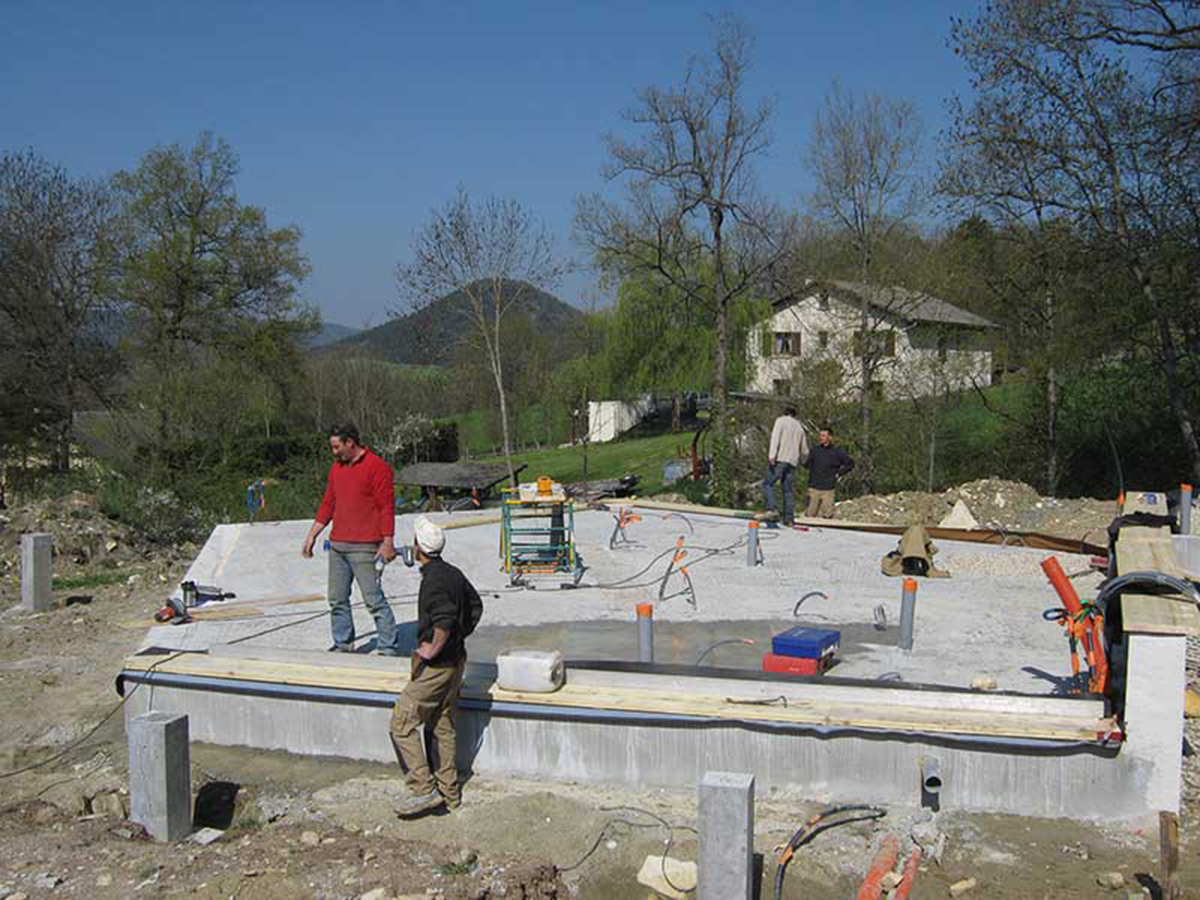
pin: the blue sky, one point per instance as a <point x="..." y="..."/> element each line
<point x="354" y="120"/>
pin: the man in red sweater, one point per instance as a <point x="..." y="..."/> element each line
<point x="360" y="499"/>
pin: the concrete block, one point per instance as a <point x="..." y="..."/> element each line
<point x="160" y="774"/>
<point x="36" y="593"/>
<point x="725" y="854"/>
<point x="1154" y="688"/>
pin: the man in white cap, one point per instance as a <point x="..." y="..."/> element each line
<point x="448" y="609"/>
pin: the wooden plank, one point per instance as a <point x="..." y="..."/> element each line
<point x="879" y="716"/>
<point x="1145" y="501"/>
<point x="1029" y="539"/>
<point x="1142" y="549"/>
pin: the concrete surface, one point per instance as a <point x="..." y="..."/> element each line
<point x="974" y="623"/>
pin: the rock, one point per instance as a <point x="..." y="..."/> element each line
<point x="108" y="804"/>
<point x="19" y="895"/>
<point x="682" y="875"/>
<point x="1191" y="703"/>
<point x="961" y="887"/>
<point x="1114" y="881"/>
<point x="380" y="893"/>
<point x="206" y="836"/>
<point x="889" y="881"/>
<point x="47" y="882"/>
<point x="104" y="880"/>
<point x="311" y="838"/>
<point x="959" y="517"/>
<point x="983" y="683"/>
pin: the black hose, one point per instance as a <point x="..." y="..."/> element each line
<point x="1159" y="579"/>
<point x="815" y="826"/>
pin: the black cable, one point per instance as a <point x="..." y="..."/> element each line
<point x="97" y="727"/>
<point x="814" y="826"/>
<point x="658" y="820"/>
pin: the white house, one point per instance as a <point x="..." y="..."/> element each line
<point x="921" y="344"/>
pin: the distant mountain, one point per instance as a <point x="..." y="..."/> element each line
<point x="429" y="336"/>
<point x="330" y="333"/>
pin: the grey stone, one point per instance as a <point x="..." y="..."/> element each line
<point x="36" y="586"/>
<point x="47" y="882"/>
<point x="206" y="836"/>
<point x="725" y="855"/>
<point x="1114" y="881"/>
<point x="160" y="774"/>
<point x="108" y="804"/>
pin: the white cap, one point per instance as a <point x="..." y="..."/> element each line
<point x="430" y="536"/>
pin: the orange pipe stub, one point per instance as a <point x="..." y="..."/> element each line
<point x="645" y="610"/>
<point x="910" y="584"/>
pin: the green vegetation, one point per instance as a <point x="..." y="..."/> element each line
<point x="83" y="582"/>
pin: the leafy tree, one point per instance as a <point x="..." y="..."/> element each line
<point x="204" y="277"/>
<point x="693" y="220"/>
<point x="55" y="281"/>
<point x="1086" y="112"/>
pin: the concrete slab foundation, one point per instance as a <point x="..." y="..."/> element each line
<point x="255" y="674"/>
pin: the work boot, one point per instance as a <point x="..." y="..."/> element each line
<point x="418" y="804"/>
<point x="342" y="648"/>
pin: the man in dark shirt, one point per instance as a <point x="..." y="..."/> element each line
<point x="360" y="499"/>
<point x="447" y="606"/>
<point x="826" y="464"/>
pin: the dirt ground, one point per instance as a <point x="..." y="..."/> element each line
<point x="298" y="827"/>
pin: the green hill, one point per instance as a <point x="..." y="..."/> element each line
<point x="429" y="335"/>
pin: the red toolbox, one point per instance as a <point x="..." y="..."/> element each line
<point x="796" y="665"/>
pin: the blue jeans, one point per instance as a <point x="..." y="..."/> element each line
<point x="785" y="474"/>
<point x="359" y="566"/>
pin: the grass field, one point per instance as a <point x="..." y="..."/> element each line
<point x="641" y="456"/>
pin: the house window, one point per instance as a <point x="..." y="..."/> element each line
<point x="787" y="343"/>
<point x="883" y="343"/>
<point x="823" y="339"/>
<point x="823" y="301"/>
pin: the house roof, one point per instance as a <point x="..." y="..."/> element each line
<point x="913" y="305"/>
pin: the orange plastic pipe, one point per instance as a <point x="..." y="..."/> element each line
<point x="908" y="875"/>
<point x="1066" y="591"/>
<point x="884" y="862"/>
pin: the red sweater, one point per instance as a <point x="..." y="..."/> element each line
<point x="360" y="498"/>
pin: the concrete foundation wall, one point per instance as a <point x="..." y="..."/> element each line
<point x="650" y="754"/>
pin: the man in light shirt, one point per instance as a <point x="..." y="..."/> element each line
<point x="788" y="451"/>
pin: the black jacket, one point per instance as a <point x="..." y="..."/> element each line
<point x="443" y="602"/>
<point x="826" y="465"/>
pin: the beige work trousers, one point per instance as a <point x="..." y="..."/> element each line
<point x="820" y="504"/>
<point x="431" y="698"/>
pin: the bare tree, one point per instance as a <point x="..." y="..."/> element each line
<point x="693" y="218"/>
<point x="55" y="276"/>
<point x="487" y="259"/>
<point x="863" y="156"/>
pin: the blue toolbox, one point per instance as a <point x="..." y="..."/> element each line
<point x="806" y="643"/>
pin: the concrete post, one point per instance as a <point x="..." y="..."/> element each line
<point x="645" y="618"/>
<point x="36" y="584"/>
<point x="1154" y="687"/>
<point x="160" y="774"/>
<point x="753" y="554"/>
<point x="908" y="609"/>
<point x="725" y="855"/>
<point x="1185" y="509"/>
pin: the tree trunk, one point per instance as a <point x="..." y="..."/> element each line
<point x="677" y="413"/>
<point x="498" y="373"/>
<point x="1170" y="365"/>
<point x="868" y="467"/>
<point x="722" y="467"/>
